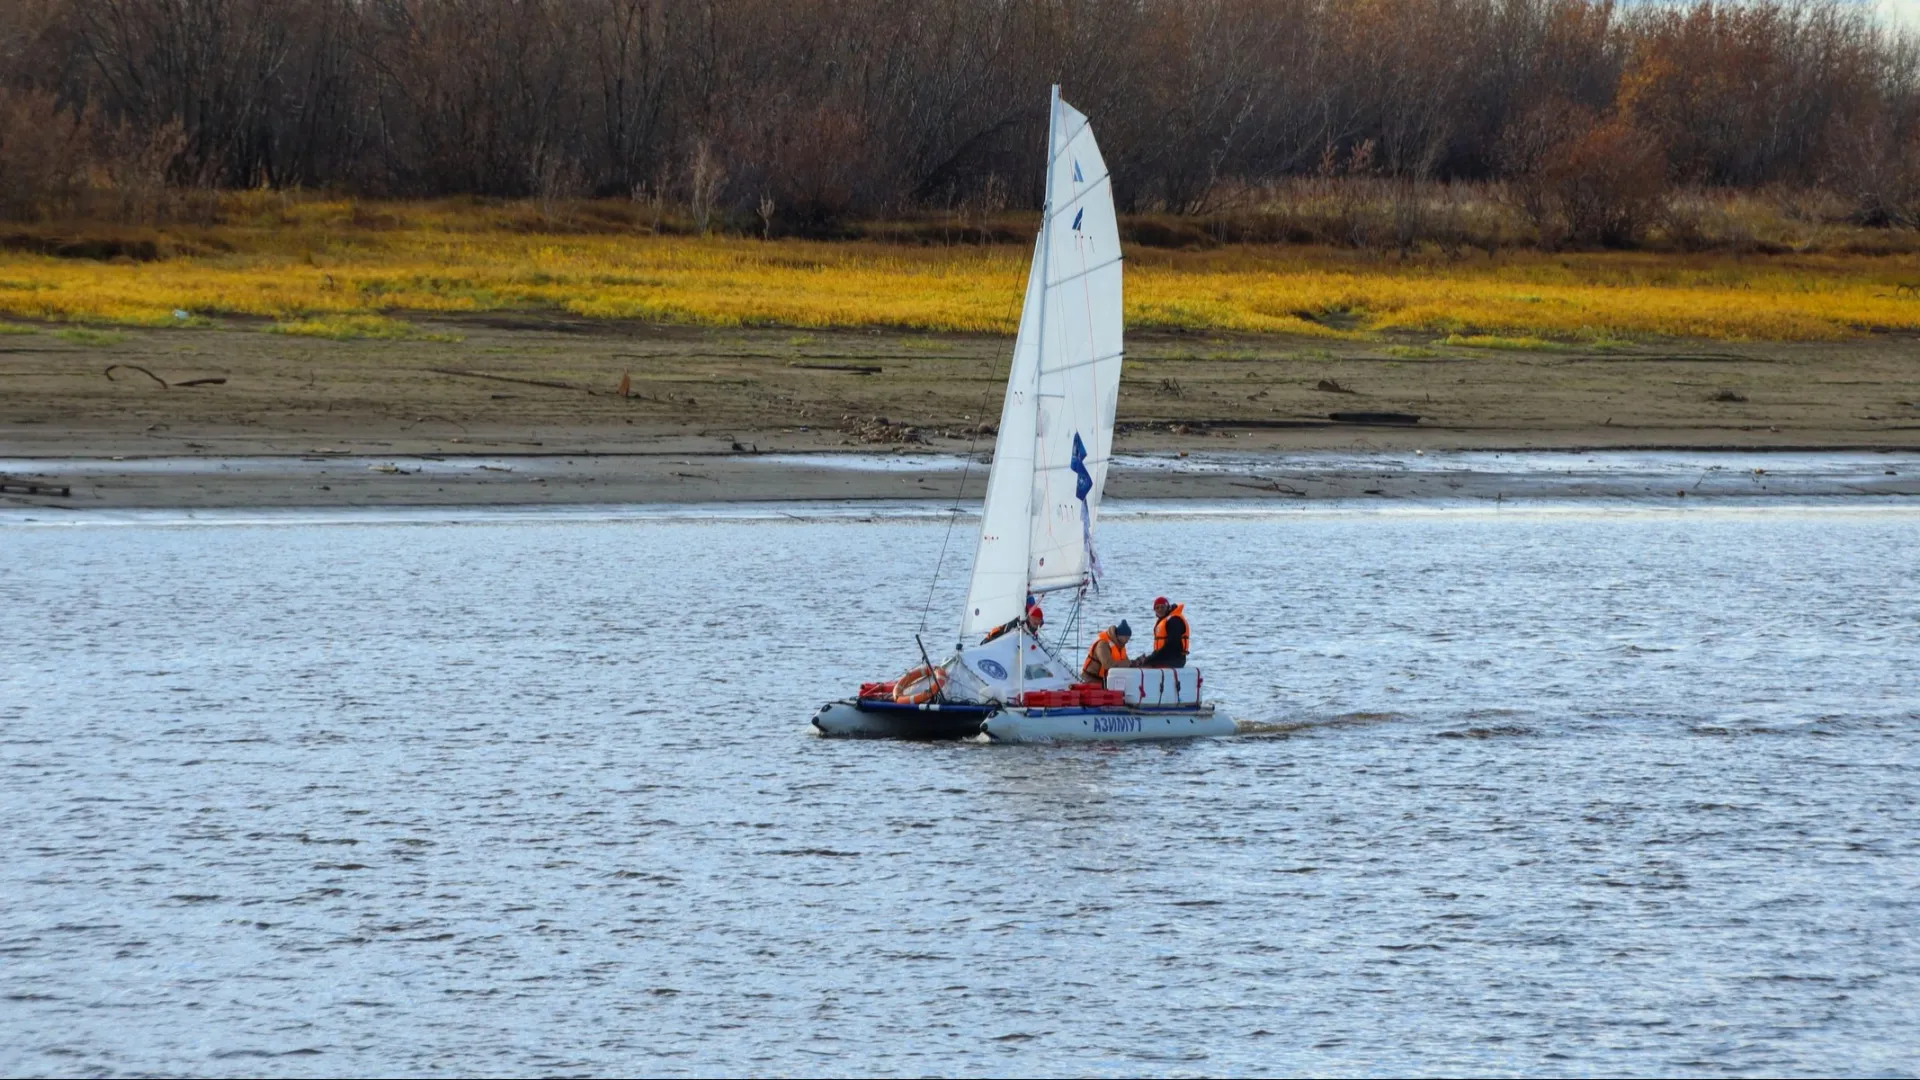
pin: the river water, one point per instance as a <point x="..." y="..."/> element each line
<point x="1560" y="791"/>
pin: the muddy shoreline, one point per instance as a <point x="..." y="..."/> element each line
<point x="607" y="412"/>
<point x="308" y="481"/>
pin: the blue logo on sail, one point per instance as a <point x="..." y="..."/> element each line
<point x="1084" y="484"/>
<point x="1082" y="487"/>
<point x="1077" y="217"/>
<point x="1076" y="175"/>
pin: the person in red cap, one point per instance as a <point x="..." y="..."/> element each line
<point x="1032" y="622"/>
<point x="1169" y="636"/>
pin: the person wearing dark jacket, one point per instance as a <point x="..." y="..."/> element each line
<point x="1169" y="636"/>
<point x="1032" y="623"/>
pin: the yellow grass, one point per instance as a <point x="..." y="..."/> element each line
<point x="1494" y="341"/>
<point x="351" y="327"/>
<point x="310" y="264"/>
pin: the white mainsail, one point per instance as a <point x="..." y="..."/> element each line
<point x="1056" y="426"/>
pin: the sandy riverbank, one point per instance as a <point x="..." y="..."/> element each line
<point x="326" y="480"/>
<point x="707" y="413"/>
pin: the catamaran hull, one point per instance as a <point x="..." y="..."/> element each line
<point x="1107" y="725"/>
<point x="888" y="720"/>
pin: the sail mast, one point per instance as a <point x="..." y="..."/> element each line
<point x="1040" y="347"/>
<point x="998" y="588"/>
<point x="1046" y="233"/>
<point x="1056" y="425"/>
<point x="1046" y="282"/>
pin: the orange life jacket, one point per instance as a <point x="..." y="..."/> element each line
<point x="1098" y="667"/>
<point x="1160" y="629"/>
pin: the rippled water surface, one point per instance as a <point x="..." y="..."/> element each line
<point x="1542" y="793"/>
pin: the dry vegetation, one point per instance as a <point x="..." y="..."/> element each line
<point x="345" y="269"/>
<point x="797" y="117"/>
<point x="1475" y="170"/>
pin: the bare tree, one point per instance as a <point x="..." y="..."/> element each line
<point x="706" y="178"/>
<point x="840" y="108"/>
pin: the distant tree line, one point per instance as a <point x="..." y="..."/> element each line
<point x="796" y="114"/>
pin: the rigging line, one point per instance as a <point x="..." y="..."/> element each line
<point x="1072" y="628"/>
<point x="965" y="469"/>
<point x="1086" y="296"/>
<point x="1093" y="384"/>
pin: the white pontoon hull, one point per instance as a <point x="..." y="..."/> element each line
<point x="1107" y="725"/>
<point x="1017" y="725"/>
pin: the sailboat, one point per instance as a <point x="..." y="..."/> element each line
<point x="1042" y="508"/>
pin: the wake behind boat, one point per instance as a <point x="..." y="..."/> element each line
<point x="1042" y="506"/>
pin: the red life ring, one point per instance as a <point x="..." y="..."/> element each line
<point x="919" y="685"/>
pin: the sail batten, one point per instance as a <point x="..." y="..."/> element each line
<point x="1056" y="433"/>
<point x="1092" y="188"/>
<point x="1077" y="132"/>
<point x="1076" y="275"/>
<point x="1082" y="364"/>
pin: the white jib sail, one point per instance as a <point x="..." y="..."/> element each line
<point x="1056" y="426"/>
<point x="1080" y="355"/>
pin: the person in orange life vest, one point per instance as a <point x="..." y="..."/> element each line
<point x="1032" y="623"/>
<point x="1109" y="651"/>
<point x="1169" y="636"/>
